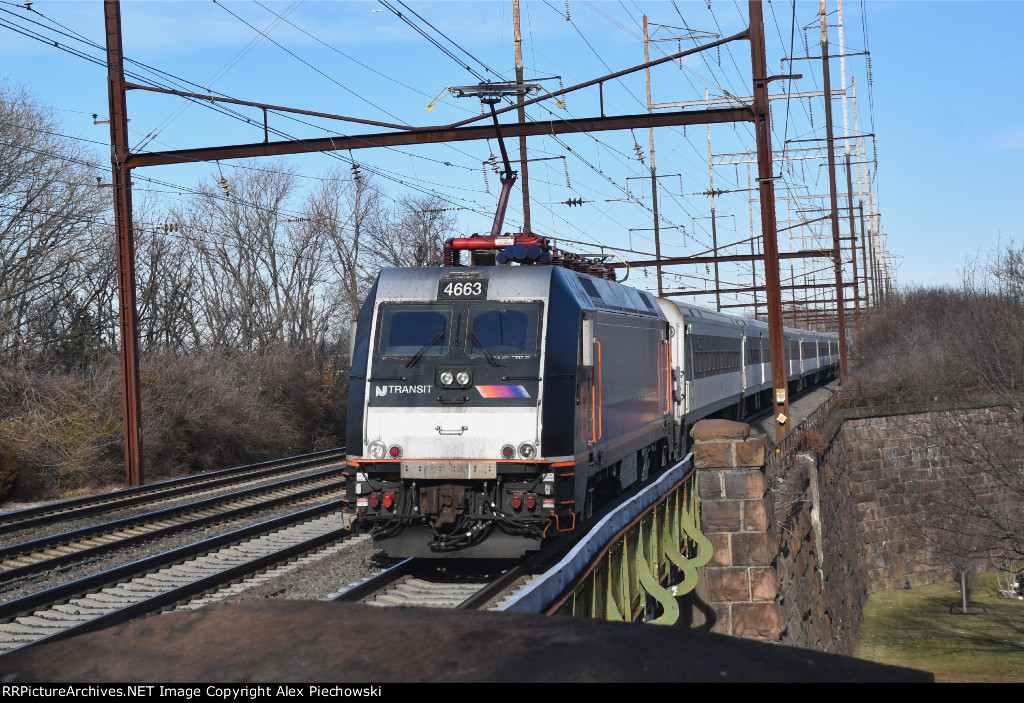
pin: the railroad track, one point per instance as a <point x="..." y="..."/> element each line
<point x="436" y="584"/>
<point x="107" y="503"/>
<point x="46" y="554"/>
<point x="473" y="585"/>
<point x="162" y="581"/>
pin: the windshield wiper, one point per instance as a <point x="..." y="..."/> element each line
<point x="416" y="358"/>
<point x="491" y="359"/>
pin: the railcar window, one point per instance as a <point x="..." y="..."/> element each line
<point x="407" y="329"/>
<point x="591" y="289"/>
<point x="503" y="330"/>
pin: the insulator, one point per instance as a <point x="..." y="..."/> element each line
<point x="224" y="186"/>
<point x="567" y="16"/>
<point x="810" y="109"/>
<point x="565" y="163"/>
<point x="871" y="75"/>
<point x="487" y="186"/>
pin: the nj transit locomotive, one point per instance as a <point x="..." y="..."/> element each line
<point x="490" y="407"/>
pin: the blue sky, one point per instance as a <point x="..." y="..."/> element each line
<point x="944" y="104"/>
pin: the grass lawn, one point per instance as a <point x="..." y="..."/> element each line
<point x="915" y="628"/>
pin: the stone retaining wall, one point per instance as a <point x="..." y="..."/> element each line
<point x="785" y="567"/>
<point x="799" y="544"/>
<point x="902" y="464"/>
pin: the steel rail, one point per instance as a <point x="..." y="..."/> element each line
<point x="66" y="540"/>
<point x="91" y="505"/>
<point x="189" y="590"/>
<point x="61" y="593"/>
<point x="378" y="581"/>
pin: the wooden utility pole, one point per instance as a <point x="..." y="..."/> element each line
<point x="524" y="168"/>
<point x="714" y="220"/>
<point x="853" y="244"/>
<point x="837" y="251"/>
<point x="654" y="171"/>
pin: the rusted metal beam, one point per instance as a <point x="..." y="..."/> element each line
<point x="618" y="74"/>
<point x="436" y="135"/>
<point x="679" y="260"/>
<point x="263" y="106"/>
<point x="122" y="193"/>
<point x="766" y="188"/>
<point x="750" y="289"/>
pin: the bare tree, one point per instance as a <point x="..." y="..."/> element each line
<point x="963" y="348"/>
<point x="413" y="233"/>
<point x="342" y="211"/>
<point x="264" y="270"/>
<point x="169" y="287"/>
<point x="51" y="221"/>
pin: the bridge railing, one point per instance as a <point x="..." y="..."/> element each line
<point x="634" y="562"/>
<point x="813" y="432"/>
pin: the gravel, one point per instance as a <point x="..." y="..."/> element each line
<point x="335" y="572"/>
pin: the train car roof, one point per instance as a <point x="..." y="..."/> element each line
<point x="692" y="311"/>
<point x="421" y="283"/>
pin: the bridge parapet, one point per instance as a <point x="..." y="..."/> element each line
<point x="737" y="514"/>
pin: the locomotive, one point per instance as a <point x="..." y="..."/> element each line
<point x="491" y="407"/>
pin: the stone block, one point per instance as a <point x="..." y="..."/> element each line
<point x="721" y="543"/>
<point x="750" y="452"/>
<point x="729" y="584"/>
<point x="752" y="549"/>
<point x="757" y="621"/>
<point x="722" y="618"/>
<point x="712" y="455"/>
<point x="709" y="483"/>
<point x="755" y="516"/>
<point x="764" y="584"/>
<point x="706" y="430"/>
<point x="744" y="483"/>
<point x="720" y="516"/>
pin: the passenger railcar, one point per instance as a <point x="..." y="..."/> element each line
<point x="491" y="407"/>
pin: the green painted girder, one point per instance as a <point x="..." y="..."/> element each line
<point x="646" y="568"/>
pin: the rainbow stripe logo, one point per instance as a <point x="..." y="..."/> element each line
<point x="503" y="391"/>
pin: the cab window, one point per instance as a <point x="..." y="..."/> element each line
<point x="503" y="330"/>
<point x="408" y="330"/>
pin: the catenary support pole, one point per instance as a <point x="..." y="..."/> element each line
<point x="125" y="243"/>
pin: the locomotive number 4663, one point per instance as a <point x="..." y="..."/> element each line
<point x="463" y="290"/>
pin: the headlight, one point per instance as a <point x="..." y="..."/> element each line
<point x="377" y="450"/>
<point x="462" y="377"/>
<point x="527" y="450"/>
<point x="447" y="378"/>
